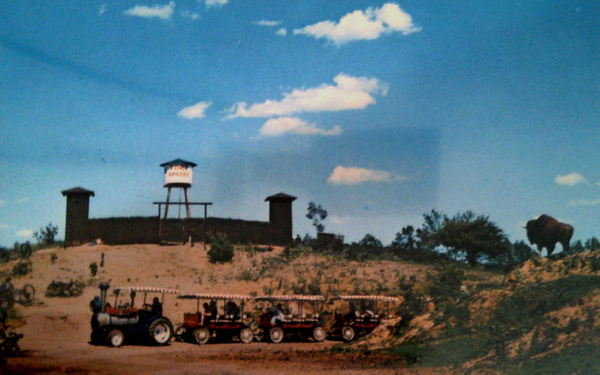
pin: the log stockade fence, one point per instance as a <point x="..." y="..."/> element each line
<point x="80" y="228"/>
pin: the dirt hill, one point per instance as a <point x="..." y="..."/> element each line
<point x="514" y="323"/>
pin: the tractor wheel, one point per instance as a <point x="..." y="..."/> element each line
<point x="348" y="333"/>
<point x="201" y="336"/>
<point x="160" y="331"/>
<point x="276" y="335"/>
<point x="319" y="334"/>
<point x="115" y="338"/>
<point x="246" y="335"/>
<point x="180" y="332"/>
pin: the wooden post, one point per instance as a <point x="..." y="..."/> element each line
<point x="187" y="203"/>
<point x="167" y="205"/>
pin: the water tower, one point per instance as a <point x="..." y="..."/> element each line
<point x="178" y="174"/>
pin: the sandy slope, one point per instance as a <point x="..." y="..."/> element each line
<point x="57" y="329"/>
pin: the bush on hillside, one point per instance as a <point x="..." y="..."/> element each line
<point x="22" y="267"/>
<point x="221" y="250"/>
<point x="64" y="289"/>
<point x="413" y="303"/>
<point x="444" y="286"/>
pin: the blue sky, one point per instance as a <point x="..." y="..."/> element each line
<point x="378" y="111"/>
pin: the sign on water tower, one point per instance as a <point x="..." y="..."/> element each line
<point x="178" y="173"/>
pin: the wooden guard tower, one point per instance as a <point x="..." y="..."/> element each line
<point x="178" y="174"/>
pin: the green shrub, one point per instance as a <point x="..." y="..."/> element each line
<point x="221" y="250"/>
<point x="64" y="289"/>
<point x="93" y="269"/>
<point x="23" y="267"/>
<point x="444" y="286"/>
<point x="413" y="299"/>
<point x="248" y="275"/>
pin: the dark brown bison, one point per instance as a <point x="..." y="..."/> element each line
<point x="546" y="231"/>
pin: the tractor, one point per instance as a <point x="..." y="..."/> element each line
<point x="227" y="324"/>
<point x="361" y="315"/>
<point x="122" y="322"/>
<point x="292" y="315"/>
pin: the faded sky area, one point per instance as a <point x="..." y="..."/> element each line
<point x="378" y="111"/>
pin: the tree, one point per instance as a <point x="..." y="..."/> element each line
<point x="576" y="247"/>
<point x="317" y="214"/>
<point x="370" y="241"/>
<point x="519" y="253"/>
<point x="46" y="236"/>
<point x="405" y="240"/>
<point x="473" y="237"/>
<point x="522" y="252"/>
<point x="432" y="223"/>
<point x="592" y="244"/>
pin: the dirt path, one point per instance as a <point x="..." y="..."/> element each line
<point x="56" y="343"/>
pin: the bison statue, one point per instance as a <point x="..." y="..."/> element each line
<point x="546" y="231"/>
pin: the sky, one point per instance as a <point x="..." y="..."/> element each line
<point x="378" y="111"/>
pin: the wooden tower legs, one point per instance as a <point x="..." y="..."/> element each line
<point x="188" y="211"/>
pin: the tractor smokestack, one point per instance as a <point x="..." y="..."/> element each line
<point x="103" y="288"/>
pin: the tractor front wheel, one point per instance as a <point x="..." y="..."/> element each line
<point x="348" y="333"/>
<point x="201" y="336"/>
<point x="160" y="331"/>
<point x="319" y="334"/>
<point x="246" y="335"/>
<point x="276" y="335"/>
<point x="115" y="338"/>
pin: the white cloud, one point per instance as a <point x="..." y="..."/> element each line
<point x="279" y="126"/>
<point x="215" y="3"/>
<point x="570" y="179"/>
<point x="268" y="23"/>
<point x="194" y="111"/>
<point x="363" y="25"/>
<point x="5" y="226"/>
<point x="155" y="11"/>
<point x="281" y="32"/>
<point x="338" y="220"/>
<point x="347" y="93"/>
<point x="187" y="14"/>
<point x="102" y="9"/>
<point x="354" y="176"/>
<point x="584" y="202"/>
<point x="22" y="200"/>
<point x="2" y="203"/>
<point x="25" y="233"/>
